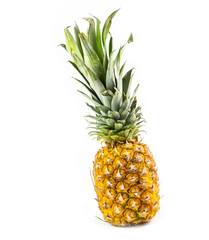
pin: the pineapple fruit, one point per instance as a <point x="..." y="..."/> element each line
<point x="124" y="171"/>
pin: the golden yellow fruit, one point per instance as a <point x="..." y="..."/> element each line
<point x="126" y="183"/>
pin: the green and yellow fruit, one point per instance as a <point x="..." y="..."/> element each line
<point x="125" y="175"/>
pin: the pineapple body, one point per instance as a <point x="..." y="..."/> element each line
<point x="126" y="183"/>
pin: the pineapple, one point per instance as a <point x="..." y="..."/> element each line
<point x="124" y="171"/>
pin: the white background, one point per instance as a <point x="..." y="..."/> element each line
<point x="45" y="152"/>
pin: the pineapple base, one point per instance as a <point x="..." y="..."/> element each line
<point x="126" y="183"/>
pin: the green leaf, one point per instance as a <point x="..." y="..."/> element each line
<point x="98" y="133"/>
<point x="90" y="99"/>
<point x="125" y="113"/>
<point x="134" y="94"/>
<point x="119" y="70"/>
<point x="62" y="45"/>
<point x="105" y="61"/>
<point x="123" y="134"/>
<point x="140" y="122"/>
<point x="124" y="105"/>
<point x="122" y="69"/>
<point x="91" y="33"/>
<point x="76" y="67"/>
<point x="116" y="101"/>
<point x="92" y="108"/>
<point x="104" y="130"/>
<point x="92" y="117"/>
<point x="99" y="40"/>
<point x="139" y="116"/>
<point x="71" y="45"/>
<point x="127" y="82"/>
<point x="133" y="133"/>
<point x="137" y="109"/>
<point x="94" y="37"/>
<point x="120" y="52"/>
<point x="130" y="39"/>
<point x="91" y="59"/>
<point x="118" y="59"/>
<point x="118" y="126"/>
<point x="123" y="121"/>
<point x="110" y="81"/>
<point x="135" y="91"/>
<point x="94" y="95"/>
<point x="94" y="82"/>
<point x="131" y="118"/>
<point x="107" y="93"/>
<point x="77" y="39"/>
<point x="118" y="138"/>
<point x="110" y="45"/>
<point x="114" y="114"/>
<point x="102" y="108"/>
<point x="97" y="123"/>
<point x="133" y="105"/>
<point x="119" y="79"/>
<point x="107" y="26"/>
<point x="110" y="122"/>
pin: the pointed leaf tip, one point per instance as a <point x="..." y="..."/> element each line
<point x="62" y="45"/>
<point x="107" y="26"/>
<point x="130" y="38"/>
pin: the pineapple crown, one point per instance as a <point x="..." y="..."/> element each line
<point x="117" y="117"/>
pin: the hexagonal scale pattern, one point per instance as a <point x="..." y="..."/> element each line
<point x="126" y="183"/>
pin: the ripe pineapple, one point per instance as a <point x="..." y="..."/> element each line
<point x="125" y="176"/>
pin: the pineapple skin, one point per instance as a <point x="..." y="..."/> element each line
<point x="126" y="183"/>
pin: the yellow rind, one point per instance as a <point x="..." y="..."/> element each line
<point x="126" y="183"/>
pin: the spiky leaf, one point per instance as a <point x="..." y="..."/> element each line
<point x="107" y="26"/>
